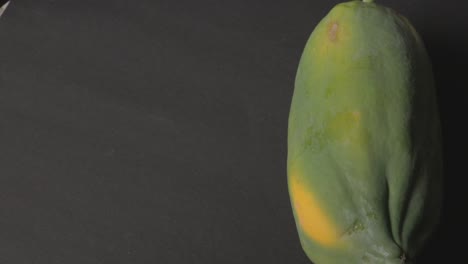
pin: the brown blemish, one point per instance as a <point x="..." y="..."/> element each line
<point x="333" y="31"/>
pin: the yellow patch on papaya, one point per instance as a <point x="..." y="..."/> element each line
<point x="346" y="127"/>
<point x="311" y="217"/>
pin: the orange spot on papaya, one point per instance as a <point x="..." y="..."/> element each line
<point x="312" y="219"/>
<point x="356" y="115"/>
<point x="332" y="30"/>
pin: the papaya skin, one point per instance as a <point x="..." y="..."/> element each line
<point x="364" y="144"/>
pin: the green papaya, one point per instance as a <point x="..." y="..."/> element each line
<point x="364" y="160"/>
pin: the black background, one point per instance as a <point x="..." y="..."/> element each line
<point x="155" y="131"/>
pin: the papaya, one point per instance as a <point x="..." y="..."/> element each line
<point x="364" y="150"/>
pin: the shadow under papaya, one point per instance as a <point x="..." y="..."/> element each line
<point x="449" y="61"/>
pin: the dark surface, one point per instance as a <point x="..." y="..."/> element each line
<point x="155" y="131"/>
